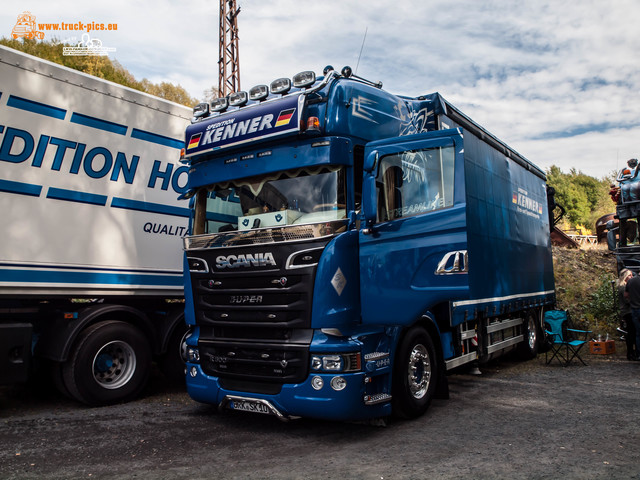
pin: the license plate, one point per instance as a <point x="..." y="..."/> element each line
<point x="250" y="406"/>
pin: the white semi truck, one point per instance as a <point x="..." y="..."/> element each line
<point x="90" y="264"/>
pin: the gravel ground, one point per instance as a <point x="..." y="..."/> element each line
<point x="515" y="421"/>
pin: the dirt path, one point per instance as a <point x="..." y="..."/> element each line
<point x="515" y="421"/>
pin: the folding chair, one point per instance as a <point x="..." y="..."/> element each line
<point x="564" y="346"/>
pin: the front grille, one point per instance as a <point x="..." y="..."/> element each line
<point x="279" y="363"/>
<point x="255" y="319"/>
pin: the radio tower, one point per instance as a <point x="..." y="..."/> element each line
<point x="229" y="61"/>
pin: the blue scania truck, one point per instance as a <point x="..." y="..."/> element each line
<point x="349" y="247"/>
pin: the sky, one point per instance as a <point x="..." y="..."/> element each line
<point x="557" y="80"/>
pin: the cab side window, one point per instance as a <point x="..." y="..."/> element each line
<point x="414" y="182"/>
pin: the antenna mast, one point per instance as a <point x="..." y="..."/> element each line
<point x="229" y="60"/>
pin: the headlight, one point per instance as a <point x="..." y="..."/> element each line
<point x="193" y="354"/>
<point x="332" y="363"/>
<point x="337" y="362"/>
<point x="316" y="363"/>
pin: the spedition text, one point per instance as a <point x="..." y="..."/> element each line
<point x="19" y="146"/>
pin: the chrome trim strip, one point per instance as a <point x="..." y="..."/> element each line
<point x="262" y="236"/>
<point x="459" y="256"/>
<point x="456" y="362"/>
<point x="235" y="398"/>
<point x="496" y="327"/>
<point x="502" y="345"/>
<point x="288" y="265"/>
<point x="497" y="299"/>
<point x="206" y="265"/>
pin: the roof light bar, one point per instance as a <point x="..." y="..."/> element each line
<point x="219" y="104"/>
<point x="281" y="86"/>
<point x="238" y="99"/>
<point x="304" y="79"/>
<point x="259" y="92"/>
<point x="201" y="110"/>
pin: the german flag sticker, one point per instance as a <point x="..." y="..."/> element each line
<point x="194" y="141"/>
<point x="285" y="117"/>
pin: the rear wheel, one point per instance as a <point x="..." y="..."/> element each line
<point x="110" y="363"/>
<point x="528" y="349"/>
<point x="415" y="374"/>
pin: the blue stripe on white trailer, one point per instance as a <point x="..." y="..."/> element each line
<point x="98" y="123"/>
<point x="89" y="278"/>
<point x="149" y="207"/>
<point x="20" y="188"/>
<point x="155" y="138"/>
<point x="78" y="197"/>
<point x="89" y="121"/>
<point x="36" y="107"/>
<point x="45" y="266"/>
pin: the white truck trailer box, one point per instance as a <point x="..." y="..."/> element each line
<point x="89" y="187"/>
<point x="89" y="183"/>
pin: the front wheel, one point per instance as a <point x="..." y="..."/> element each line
<point x="415" y="374"/>
<point x="110" y="363"/>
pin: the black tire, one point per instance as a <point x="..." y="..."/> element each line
<point x="415" y="374"/>
<point x="528" y="349"/>
<point x="172" y="363"/>
<point x="110" y="363"/>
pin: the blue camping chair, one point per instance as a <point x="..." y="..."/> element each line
<point x="564" y="346"/>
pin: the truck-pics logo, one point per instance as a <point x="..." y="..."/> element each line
<point x="248" y="260"/>
<point x="25" y="27"/>
<point x="88" y="46"/>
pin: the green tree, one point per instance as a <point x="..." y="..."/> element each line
<point x="99" y="66"/>
<point x="584" y="198"/>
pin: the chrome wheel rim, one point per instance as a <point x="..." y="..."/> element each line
<point x="532" y="333"/>
<point x="419" y="371"/>
<point x="114" y="365"/>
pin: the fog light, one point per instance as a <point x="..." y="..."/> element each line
<point x="193" y="372"/>
<point x="338" y="383"/>
<point x="317" y="383"/>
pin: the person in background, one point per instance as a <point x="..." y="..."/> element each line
<point x="632" y="292"/>
<point x="625" y="314"/>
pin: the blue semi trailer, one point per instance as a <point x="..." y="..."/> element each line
<point x="348" y="247"/>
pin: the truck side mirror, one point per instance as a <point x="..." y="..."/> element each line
<point x="369" y="199"/>
<point x="371" y="162"/>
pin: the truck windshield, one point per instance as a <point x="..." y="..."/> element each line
<point x="295" y="197"/>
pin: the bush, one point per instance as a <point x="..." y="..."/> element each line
<point x="601" y="312"/>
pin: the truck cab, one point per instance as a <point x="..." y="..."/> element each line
<point x="328" y="260"/>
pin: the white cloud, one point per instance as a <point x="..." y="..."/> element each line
<point x="557" y="80"/>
